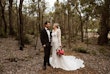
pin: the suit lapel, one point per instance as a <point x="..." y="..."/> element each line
<point x="45" y="32"/>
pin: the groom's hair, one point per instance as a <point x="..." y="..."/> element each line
<point x="46" y="23"/>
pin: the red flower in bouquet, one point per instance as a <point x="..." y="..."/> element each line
<point x="60" y="52"/>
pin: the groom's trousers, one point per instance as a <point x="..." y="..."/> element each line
<point x="47" y="54"/>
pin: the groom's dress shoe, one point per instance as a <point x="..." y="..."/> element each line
<point x="44" y="68"/>
<point x="49" y="65"/>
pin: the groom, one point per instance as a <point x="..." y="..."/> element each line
<point x="45" y="37"/>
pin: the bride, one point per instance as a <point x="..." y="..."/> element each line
<point x="64" y="62"/>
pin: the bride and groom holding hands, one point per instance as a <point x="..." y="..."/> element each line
<point x="51" y="40"/>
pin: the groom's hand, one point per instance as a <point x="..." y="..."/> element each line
<point x="44" y="45"/>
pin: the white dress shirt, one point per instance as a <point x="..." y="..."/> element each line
<point x="48" y="32"/>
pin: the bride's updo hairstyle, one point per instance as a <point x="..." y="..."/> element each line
<point x="57" y="25"/>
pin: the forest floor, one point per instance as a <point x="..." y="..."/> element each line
<point x="29" y="61"/>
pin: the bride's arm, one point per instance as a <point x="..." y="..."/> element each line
<point x="59" y="37"/>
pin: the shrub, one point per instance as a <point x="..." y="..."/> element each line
<point x="102" y="50"/>
<point x="1" y="68"/>
<point x="31" y="32"/>
<point x="81" y="50"/>
<point x="93" y="52"/>
<point x="26" y="40"/>
<point x="2" y="34"/>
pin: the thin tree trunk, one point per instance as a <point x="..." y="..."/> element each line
<point x="69" y="37"/>
<point x="38" y="26"/>
<point x="65" y="25"/>
<point x="86" y="32"/>
<point x="42" y="19"/>
<point x="39" y="15"/>
<point x="11" y="30"/>
<point x="82" y="34"/>
<point x="87" y="39"/>
<point x="17" y="19"/>
<point x="3" y="16"/>
<point x="73" y="28"/>
<point x="43" y="9"/>
<point x="1" y="27"/>
<point x="21" y="25"/>
<point x="81" y="25"/>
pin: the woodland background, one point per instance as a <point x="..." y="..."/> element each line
<point x="85" y="26"/>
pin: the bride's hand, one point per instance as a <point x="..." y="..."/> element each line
<point x="60" y="46"/>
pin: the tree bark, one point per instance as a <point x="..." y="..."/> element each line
<point x="81" y="25"/>
<point x="104" y="25"/>
<point x="1" y="27"/>
<point x="3" y="16"/>
<point x="39" y="15"/>
<point x="11" y="30"/>
<point x="17" y="19"/>
<point x="69" y="36"/>
<point x="82" y="34"/>
<point x="21" y="25"/>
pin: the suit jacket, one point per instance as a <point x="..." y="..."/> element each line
<point x="44" y="37"/>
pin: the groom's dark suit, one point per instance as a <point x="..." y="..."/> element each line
<point x="46" y="41"/>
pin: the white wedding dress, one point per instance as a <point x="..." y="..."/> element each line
<point x="64" y="62"/>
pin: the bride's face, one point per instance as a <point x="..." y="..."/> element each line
<point x="54" y="27"/>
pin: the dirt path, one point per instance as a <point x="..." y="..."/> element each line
<point x="14" y="61"/>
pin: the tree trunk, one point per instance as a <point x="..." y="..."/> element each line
<point x="103" y="36"/>
<point x="65" y="25"/>
<point x="21" y="25"/>
<point x="42" y="19"/>
<point x="104" y="25"/>
<point x="82" y="34"/>
<point x="11" y="30"/>
<point x="72" y="28"/>
<point x="17" y="19"/>
<point x="1" y="27"/>
<point x="3" y="16"/>
<point x="39" y="15"/>
<point x="69" y="36"/>
<point x="81" y="25"/>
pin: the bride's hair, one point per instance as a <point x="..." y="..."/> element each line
<point x="57" y="25"/>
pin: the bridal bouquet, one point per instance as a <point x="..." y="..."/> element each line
<point x="60" y="51"/>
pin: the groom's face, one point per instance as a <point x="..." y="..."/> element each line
<point x="48" y="25"/>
